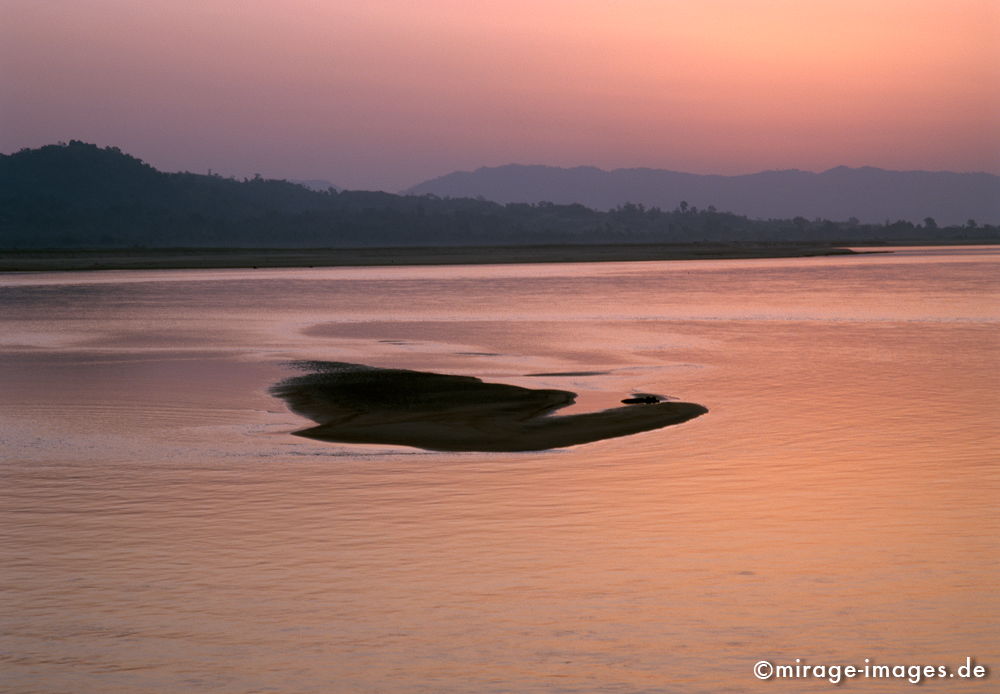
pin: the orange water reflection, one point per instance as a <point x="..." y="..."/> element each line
<point x="160" y="531"/>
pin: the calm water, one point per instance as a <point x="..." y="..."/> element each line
<point x="161" y="531"/>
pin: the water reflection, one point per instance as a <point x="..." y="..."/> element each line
<point x="162" y="531"/>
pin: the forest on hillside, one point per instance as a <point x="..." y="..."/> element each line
<point x="78" y="195"/>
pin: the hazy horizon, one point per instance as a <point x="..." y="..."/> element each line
<point x="405" y="189"/>
<point x="388" y="94"/>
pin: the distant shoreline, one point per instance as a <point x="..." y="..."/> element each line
<point x="247" y="258"/>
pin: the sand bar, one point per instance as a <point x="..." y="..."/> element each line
<point x="207" y="258"/>
<point x="353" y="403"/>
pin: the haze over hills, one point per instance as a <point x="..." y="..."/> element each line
<point x="78" y="195"/>
<point x="868" y="194"/>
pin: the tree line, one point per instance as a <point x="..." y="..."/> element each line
<point x="77" y="195"/>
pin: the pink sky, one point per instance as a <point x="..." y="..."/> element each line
<point x="387" y="93"/>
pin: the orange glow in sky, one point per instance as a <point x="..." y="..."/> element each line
<point x="387" y="93"/>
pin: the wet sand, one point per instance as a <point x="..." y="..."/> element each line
<point x="353" y="403"/>
<point x="205" y="258"/>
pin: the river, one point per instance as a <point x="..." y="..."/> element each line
<point x="162" y="530"/>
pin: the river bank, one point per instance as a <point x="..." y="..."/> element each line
<point x="207" y="258"/>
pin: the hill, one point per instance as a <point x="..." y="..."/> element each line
<point x="319" y="184"/>
<point x="867" y="194"/>
<point x="78" y="195"/>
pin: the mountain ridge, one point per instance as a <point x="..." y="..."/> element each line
<point x="867" y="193"/>
<point x="78" y="195"/>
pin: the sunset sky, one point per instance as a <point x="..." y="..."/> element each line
<point x="387" y="93"/>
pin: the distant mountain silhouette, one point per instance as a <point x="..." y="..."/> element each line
<point x="868" y="194"/>
<point x="78" y="195"/>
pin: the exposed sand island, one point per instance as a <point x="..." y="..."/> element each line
<point x="353" y="403"/>
<point x="204" y="258"/>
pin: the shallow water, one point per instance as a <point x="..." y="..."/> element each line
<point x="162" y="531"/>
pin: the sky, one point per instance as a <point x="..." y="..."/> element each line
<point x="384" y="94"/>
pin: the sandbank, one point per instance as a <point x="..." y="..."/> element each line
<point x="353" y="403"/>
<point x="218" y="258"/>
